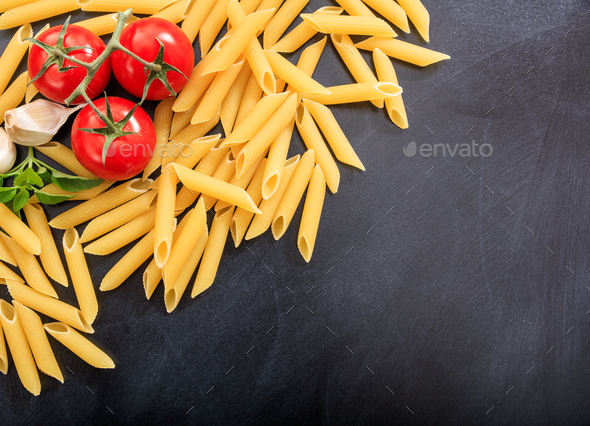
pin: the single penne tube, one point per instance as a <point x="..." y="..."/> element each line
<point x="65" y="156"/>
<point x="293" y="194"/>
<point x="254" y="121"/>
<point x="195" y="18"/>
<point x="141" y="7"/>
<point x="85" y="195"/>
<point x="212" y="25"/>
<point x="8" y="274"/>
<point x="38" y="342"/>
<point x="312" y="210"/>
<point x="395" y="106"/>
<point x="242" y="182"/>
<point x="225" y="172"/>
<point x="391" y="11"/>
<point x="211" y="101"/>
<point x="49" y="255"/>
<point x="355" y="8"/>
<point x="175" y="12"/>
<point x="14" y="95"/>
<point x="269" y="4"/>
<point x="5" y="255"/>
<point x="355" y="62"/>
<point x="31" y="91"/>
<point x="19" y="348"/>
<point x="360" y="92"/>
<point x="162" y="123"/>
<point x="261" y="222"/>
<point x="248" y="6"/>
<point x="231" y="104"/>
<point x="276" y="161"/>
<point x="21" y="233"/>
<point x="123" y="235"/>
<point x="403" y="51"/>
<point x="303" y="32"/>
<point x="190" y="134"/>
<point x="37" y="11"/>
<point x="195" y="225"/>
<point x="251" y="96"/>
<point x="173" y="295"/>
<point x="103" y="25"/>
<point x="13" y="54"/>
<point x="313" y="140"/>
<point x="281" y="21"/>
<point x="3" y="353"/>
<point x="300" y="81"/>
<point x="418" y="15"/>
<point x="80" y="275"/>
<point x="79" y="345"/>
<point x="254" y="53"/>
<point x="192" y="153"/>
<point x="331" y="130"/>
<point x="100" y="204"/>
<point x="213" y="250"/>
<point x="49" y="306"/>
<point x="164" y="224"/>
<point x="353" y="25"/>
<point x="151" y="278"/>
<point x="29" y="267"/>
<point x="16" y="3"/>
<point x="267" y="134"/>
<point x="207" y="185"/>
<point x="238" y="40"/>
<point x="242" y="217"/>
<point x="119" y="216"/>
<point x="309" y="58"/>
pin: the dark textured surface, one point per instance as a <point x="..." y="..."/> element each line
<point x="441" y="290"/>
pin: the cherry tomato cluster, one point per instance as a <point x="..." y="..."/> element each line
<point x="129" y="153"/>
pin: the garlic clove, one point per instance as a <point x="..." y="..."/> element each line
<point x="36" y="123"/>
<point x="7" y="152"/>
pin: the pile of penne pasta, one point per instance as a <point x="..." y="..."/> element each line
<point x="245" y="178"/>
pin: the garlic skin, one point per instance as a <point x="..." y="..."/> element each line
<point x="7" y="152"/>
<point x="36" y="123"/>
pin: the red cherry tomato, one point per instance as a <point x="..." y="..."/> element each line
<point x="127" y="155"/>
<point x="140" y="37"/>
<point x="58" y="86"/>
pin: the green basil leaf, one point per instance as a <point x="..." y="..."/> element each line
<point x="73" y="183"/>
<point x="51" y="199"/>
<point x="7" y="194"/>
<point x="20" y="199"/>
<point x="28" y="176"/>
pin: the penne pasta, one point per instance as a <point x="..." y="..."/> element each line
<point x="300" y="81"/>
<point x="267" y="134"/>
<point x="195" y="151"/>
<point x="327" y="123"/>
<point x="49" y="255"/>
<point x="312" y="210"/>
<point x="100" y="204"/>
<point x="29" y="267"/>
<point x="103" y="25"/>
<point x="79" y="345"/>
<point x="3" y="353"/>
<point x="162" y="123"/>
<point x="303" y="32"/>
<point x="180" y="120"/>
<point x="355" y="8"/>
<point x="13" y="54"/>
<point x="242" y="182"/>
<point x="225" y="172"/>
<point x="281" y="21"/>
<point x="151" y="277"/>
<point x="164" y="224"/>
<point x="192" y="133"/>
<point x="222" y="190"/>
<point x="21" y="233"/>
<point x="213" y="251"/>
<point x="36" y="11"/>
<point x="293" y="194"/>
<point x="269" y="207"/>
<point x="252" y="95"/>
<point x="195" y="18"/>
<point x="353" y="25"/>
<point x="313" y="140"/>
<point x="5" y="255"/>
<point x="80" y="275"/>
<point x="46" y="305"/>
<point x="85" y="195"/>
<point x="31" y="91"/>
<point x="211" y="102"/>
<point x="65" y="156"/>
<point x="269" y="4"/>
<point x="354" y="62"/>
<point x="309" y="59"/>
<point x="38" y="342"/>
<point x="14" y="95"/>
<point x="175" y="12"/>
<point x="391" y="11"/>
<point x="395" y="106"/>
<point x="16" y="3"/>
<point x="242" y="217"/>
<point x="360" y="92"/>
<point x="19" y="348"/>
<point x="212" y="25"/>
<point x="276" y="161"/>
<point x="7" y="274"/>
<point x="403" y="51"/>
<point x="141" y="7"/>
<point x="231" y="104"/>
<point x="119" y="216"/>
<point x="249" y="6"/>
<point x="418" y="15"/>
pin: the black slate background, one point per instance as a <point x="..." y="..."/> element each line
<point x="441" y="290"/>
